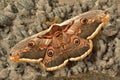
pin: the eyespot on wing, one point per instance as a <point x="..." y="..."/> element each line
<point x="29" y="48"/>
<point x="89" y="24"/>
<point x="60" y="57"/>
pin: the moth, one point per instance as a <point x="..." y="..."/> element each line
<point x="70" y="40"/>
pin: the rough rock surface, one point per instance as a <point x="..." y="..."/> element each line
<point x="20" y="19"/>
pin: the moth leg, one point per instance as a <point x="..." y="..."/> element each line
<point x="55" y="20"/>
<point x="85" y="54"/>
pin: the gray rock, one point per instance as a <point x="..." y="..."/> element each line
<point x="11" y="8"/>
<point x="14" y="76"/>
<point x="101" y="2"/>
<point x="109" y="54"/>
<point x="118" y="24"/>
<point x="75" y="70"/>
<point x="6" y="18"/>
<point x="28" y="5"/>
<point x="62" y="72"/>
<point x="41" y="18"/>
<point x="3" y="4"/>
<point x="117" y="49"/>
<point x="102" y="49"/>
<point x="4" y="73"/>
<point x="50" y="16"/>
<point x="48" y="8"/>
<point x="29" y="74"/>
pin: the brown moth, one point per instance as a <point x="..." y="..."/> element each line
<point x="70" y="40"/>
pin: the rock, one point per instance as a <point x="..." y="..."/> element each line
<point x="74" y="70"/>
<point x="109" y="54"/>
<point x="101" y="2"/>
<point x="118" y="24"/>
<point x="81" y="66"/>
<point x="117" y="49"/>
<point x="29" y="74"/>
<point x="28" y="5"/>
<point x="102" y="49"/>
<point x="6" y="19"/>
<point x="41" y="18"/>
<point x="4" y="73"/>
<point x="14" y="76"/>
<point x="3" y="4"/>
<point x="11" y="8"/>
<point x="62" y="72"/>
<point x="110" y="63"/>
<point x="112" y="73"/>
<point x="5" y="46"/>
<point x="48" y="8"/>
<point x="102" y="64"/>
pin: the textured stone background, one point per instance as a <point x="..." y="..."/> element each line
<point x="20" y="19"/>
